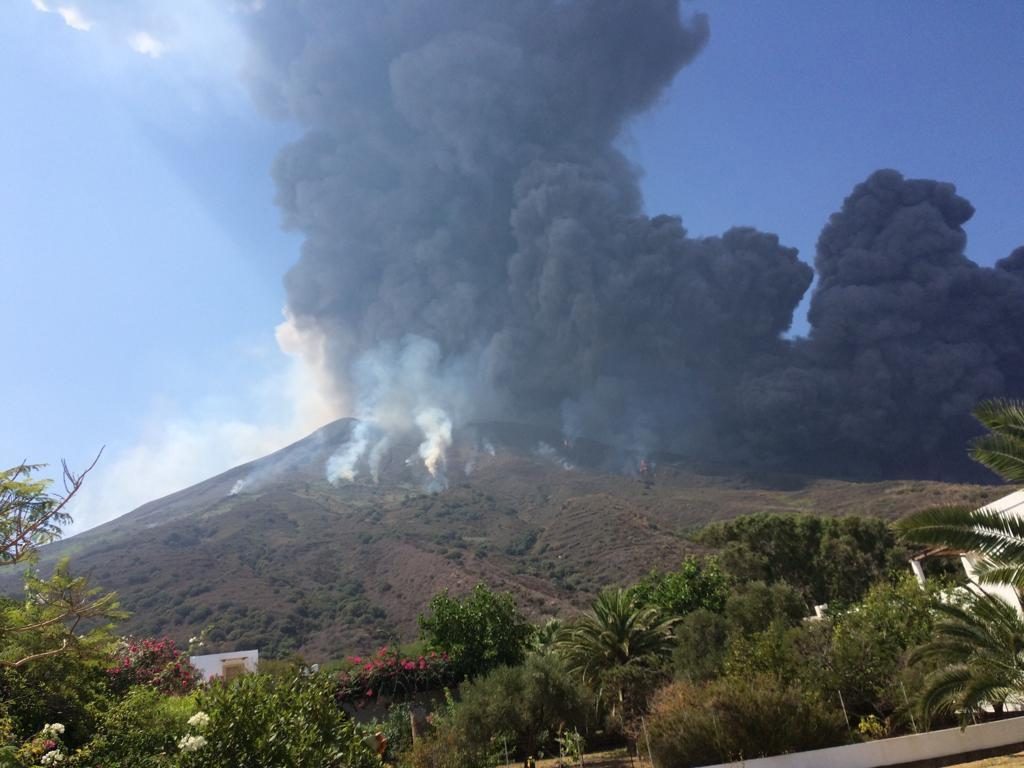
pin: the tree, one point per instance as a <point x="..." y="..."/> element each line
<point x="29" y="516"/>
<point x="614" y="633"/>
<point x="54" y="639"/>
<point x="621" y="648"/>
<point x="830" y="560"/>
<point x="698" y="584"/>
<point x="980" y="644"/>
<point x="482" y="631"/>
<point x="49" y="621"/>
<point x="59" y="614"/>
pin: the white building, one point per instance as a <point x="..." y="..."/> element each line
<point x="226" y="665"/>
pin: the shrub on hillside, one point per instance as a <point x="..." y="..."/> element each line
<point x="738" y="719"/>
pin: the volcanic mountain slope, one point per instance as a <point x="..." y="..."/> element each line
<point x="273" y="556"/>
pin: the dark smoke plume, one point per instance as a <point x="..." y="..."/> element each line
<point x="476" y="248"/>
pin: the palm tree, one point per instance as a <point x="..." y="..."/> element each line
<point x="1002" y="450"/>
<point x="619" y="648"/>
<point x="997" y="539"/>
<point x="979" y="641"/>
<point x="980" y="644"/>
<point x="545" y="637"/>
<point x="615" y="633"/>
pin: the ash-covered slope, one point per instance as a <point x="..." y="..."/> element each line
<point x="273" y="556"/>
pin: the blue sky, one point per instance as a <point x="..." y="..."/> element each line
<point x="141" y="252"/>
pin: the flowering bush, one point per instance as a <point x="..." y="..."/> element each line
<point x="44" y="748"/>
<point x="390" y="674"/>
<point x="155" y="663"/>
<point x="191" y="743"/>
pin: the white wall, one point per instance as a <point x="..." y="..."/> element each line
<point x="904" y="749"/>
<point x="212" y="664"/>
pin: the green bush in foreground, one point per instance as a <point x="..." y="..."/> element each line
<point x="258" y="720"/>
<point x="141" y="731"/>
<point x="738" y="719"/>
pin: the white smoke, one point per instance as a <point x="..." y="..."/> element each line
<point x="402" y="388"/>
<point x="547" y="452"/>
<point x="342" y="465"/>
<point x="175" y="450"/>
<point x="437" y="431"/>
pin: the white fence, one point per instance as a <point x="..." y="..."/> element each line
<point x="900" y="750"/>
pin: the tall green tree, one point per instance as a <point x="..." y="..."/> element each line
<point x="481" y="631"/>
<point x="51" y="618"/>
<point x="697" y="584"/>
<point x="30" y="515"/>
<point x="54" y="639"/>
<point x="831" y="560"/>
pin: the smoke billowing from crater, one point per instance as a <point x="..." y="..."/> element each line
<point x="476" y="248"/>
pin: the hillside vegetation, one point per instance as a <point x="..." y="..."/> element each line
<point x="294" y="564"/>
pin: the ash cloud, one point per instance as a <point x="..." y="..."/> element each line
<point x="460" y="190"/>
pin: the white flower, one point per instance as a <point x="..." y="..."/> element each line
<point x="199" y="720"/>
<point x="53" y="729"/>
<point x="52" y="757"/>
<point x="191" y="743"/>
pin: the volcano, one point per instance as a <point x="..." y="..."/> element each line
<point x="271" y="555"/>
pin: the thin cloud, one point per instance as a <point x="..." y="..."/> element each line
<point x="72" y="16"/>
<point x="147" y="45"/>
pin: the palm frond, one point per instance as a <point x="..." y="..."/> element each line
<point x="1002" y="416"/>
<point x="962" y="528"/>
<point x="1003" y="454"/>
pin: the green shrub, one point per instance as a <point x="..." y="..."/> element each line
<point x="738" y="719"/>
<point x="397" y="728"/>
<point x="258" y="720"/>
<point x="65" y="688"/>
<point x="701" y="643"/>
<point x="527" y="705"/>
<point x="517" y="711"/>
<point x="141" y="731"/>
